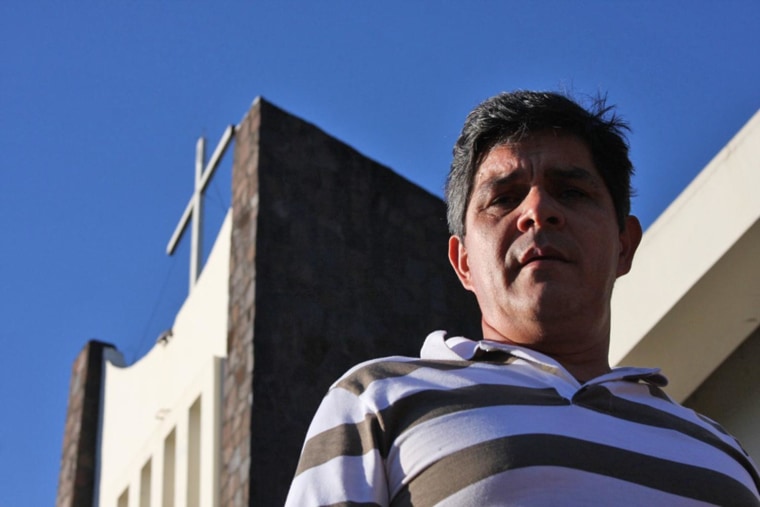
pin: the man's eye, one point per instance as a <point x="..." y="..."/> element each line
<point x="573" y="193"/>
<point x="506" y="200"/>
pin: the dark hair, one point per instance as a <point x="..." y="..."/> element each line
<point x="510" y="117"/>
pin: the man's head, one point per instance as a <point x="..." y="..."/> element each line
<point x="539" y="211"/>
<point x="509" y="117"/>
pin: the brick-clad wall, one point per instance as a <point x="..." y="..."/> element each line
<point x="335" y="259"/>
<point x="237" y="400"/>
<point x="76" y="482"/>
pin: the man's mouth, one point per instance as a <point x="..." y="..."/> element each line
<point x="532" y="255"/>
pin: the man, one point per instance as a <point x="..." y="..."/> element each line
<point x="538" y="207"/>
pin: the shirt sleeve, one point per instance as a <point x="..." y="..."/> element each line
<point x="341" y="461"/>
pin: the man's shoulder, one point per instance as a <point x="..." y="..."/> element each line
<point x="390" y="369"/>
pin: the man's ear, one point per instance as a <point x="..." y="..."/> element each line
<point x="630" y="237"/>
<point x="459" y="261"/>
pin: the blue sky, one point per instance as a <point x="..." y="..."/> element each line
<point x="101" y="104"/>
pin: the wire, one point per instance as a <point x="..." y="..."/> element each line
<point x="154" y="310"/>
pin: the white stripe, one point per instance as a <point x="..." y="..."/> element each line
<point x="346" y="478"/>
<point x="552" y="487"/>
<point x="338" y="407"/>
<point x="382" y="393"/>
<point x="391" y="359"/>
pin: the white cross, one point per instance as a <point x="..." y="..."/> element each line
<point x="194" y="209"/>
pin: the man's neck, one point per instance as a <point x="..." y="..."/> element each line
<point x="584" y="357"/>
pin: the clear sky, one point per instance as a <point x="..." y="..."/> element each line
<point x="101" y="104"/>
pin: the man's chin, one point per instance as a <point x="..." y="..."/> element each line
<point x="548" y="302"/>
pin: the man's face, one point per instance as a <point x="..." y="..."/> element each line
<point x="542" y="247"/>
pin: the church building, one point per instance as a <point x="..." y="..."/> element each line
<point x="326" y="258"/>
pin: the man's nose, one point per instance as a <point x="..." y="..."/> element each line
<point x="539" y="209"/>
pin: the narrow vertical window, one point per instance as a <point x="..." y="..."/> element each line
<point x="170" y="446"/>
<point x="145" y="484"/>
<point x="123" y="500"/>
<point x="194" y="455"/>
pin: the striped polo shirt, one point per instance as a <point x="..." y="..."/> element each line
<point x="484" y="423"/>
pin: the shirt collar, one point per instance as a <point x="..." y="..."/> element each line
<point x="458" y="348"/>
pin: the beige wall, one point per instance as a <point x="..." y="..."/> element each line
<point x="169" y="399"/>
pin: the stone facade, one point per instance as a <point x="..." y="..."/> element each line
<point x="76" y="482"/>
<point x="335" y="259"/>
<point x="237" y="387"/>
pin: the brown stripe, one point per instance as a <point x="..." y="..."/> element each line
<point x="712" y="423"/>
<point x="659" y="393"/>
<point x="358" y="381"/>
<point x="343" y="440"/>
<point x="426" y="405"/>
<point x="353" y="504"/>
<point x="600" y="399"/>
<point x="468" y="466"/>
